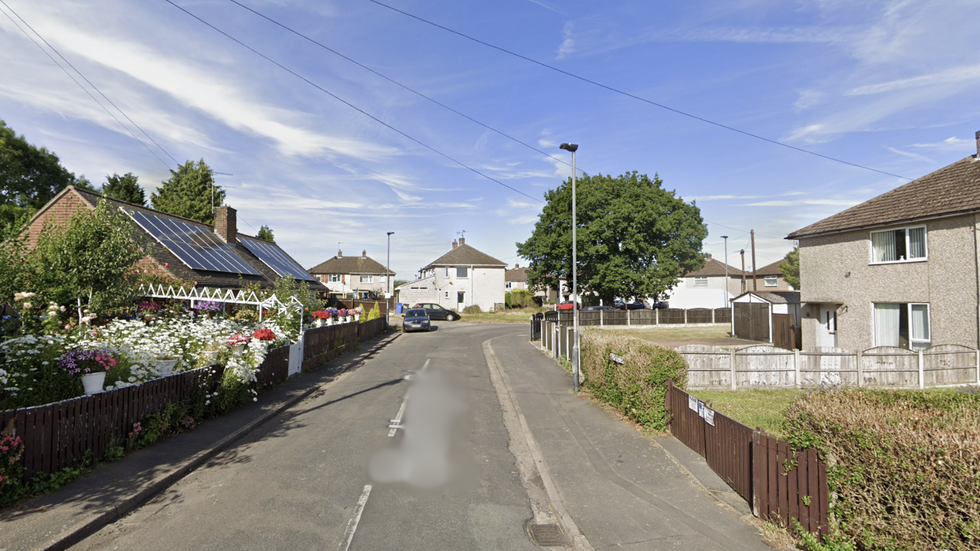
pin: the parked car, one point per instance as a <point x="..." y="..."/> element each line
<point x="660" y="304"/>
<point x="619" y="304"/>
<point x="567" y="305"/>
<point x="416" y="320"/>
<point x="437" y="312"/>
<point x="636" y="305"/>
<point x="597" y="308"/>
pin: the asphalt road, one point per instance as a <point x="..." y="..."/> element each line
<point x="331" y="473"/>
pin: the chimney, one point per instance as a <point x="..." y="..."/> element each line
<point x="340" y="254"/>
<point x="709" y="256"/>
<point x="364" y="253"/>
<point x="462" y="240"/>
<point x="454" y="243"/>
<point x="516" y="265"/>
<point x="226" y="223"/>
<point x="978" y="144"/>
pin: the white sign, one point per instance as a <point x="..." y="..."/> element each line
<point x="692" y="402"/>
<point x="701" y="409"/>
<point x="709" y="416"/>
<point x="617" y="359"/>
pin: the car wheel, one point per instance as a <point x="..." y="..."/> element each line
<point x="451" y="317"/>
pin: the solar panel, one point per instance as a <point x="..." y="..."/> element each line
<point x="275" y="258"/>
<point x="195" y="246"/>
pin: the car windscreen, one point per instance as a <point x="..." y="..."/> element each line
<point x="416" y="314"/>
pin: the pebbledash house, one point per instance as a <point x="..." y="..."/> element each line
<point x="462" y="277"/>
<point x="900" y="269"/>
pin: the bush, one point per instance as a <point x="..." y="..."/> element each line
<point x="903" y="464"/>
<point x="473" y="309"/>
<point x="638" y="387"/>
<point x="519" y="298"/>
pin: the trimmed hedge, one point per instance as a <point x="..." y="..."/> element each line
<point x="638" y="387"/>
<point x="904" y="465"/>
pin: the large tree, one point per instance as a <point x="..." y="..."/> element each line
<point x="188" y="193"/>
<point x="265" y="232"/>
<point x="29" y="177"/>
<point x="634" y="237"/>
<point x="125" y="188"/>
<point x="791" y="267"/>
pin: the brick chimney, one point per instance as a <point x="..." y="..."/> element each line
<point x="454" y="243"/>
<point x="226" y="223"/>
<point x="978" y="144"/>
<point x="462" y="240"/>
<point x="364" y="253"/>
<point x="340" y="254"/>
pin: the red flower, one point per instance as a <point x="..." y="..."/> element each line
<point x="264" y="334"/>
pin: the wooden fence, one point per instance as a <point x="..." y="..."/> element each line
<point x="656" y="316"/>
<point x="59" y="435"/>
<point x="883" y="367"/>
<point x="754" y="463"/>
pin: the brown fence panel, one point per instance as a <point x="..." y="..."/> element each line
<point x="723" y="315"/>
<point x="685" y="424"/>
<point x="781" y="494"/>
<point x="671" y="315"/>
<point x="699" y="315"/>
<point x="275" y="367"/>
<point x="785" y="332"/>
<point x="728" y="451"/>
<point x="370" y="329"/>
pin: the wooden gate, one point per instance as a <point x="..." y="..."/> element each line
<point x="752" y="321"/>
<point x="785" y="332"/>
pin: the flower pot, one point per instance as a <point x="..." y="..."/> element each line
<point x="357" y="317"/>
<point x="165" y="367"/>
<point x="319" y="322"/>
<point x="238" y="349"/>
<point x="93" y="382"/>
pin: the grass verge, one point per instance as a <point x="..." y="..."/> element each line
<point x="763" y="409"/>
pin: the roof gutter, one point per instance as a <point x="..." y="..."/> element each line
<point x="791" y="236"/>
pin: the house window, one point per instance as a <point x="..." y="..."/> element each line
<point x="700" y="281"/>
<point x="460" y="271"/>
<point x="447" y="294"/>
<point x="771" y="281"/>
<point x="901" y="245"/>
<point x="508" y="285"/>
<point x="334" y="278"/>
<point x="905" y="325"/>
<point x="367" y="279"/>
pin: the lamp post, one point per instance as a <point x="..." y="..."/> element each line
<point x="388" y="280"/>
<point x="725" y="237"/>
<point x="575" y="346"/>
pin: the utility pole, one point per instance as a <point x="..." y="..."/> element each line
<point x="742" y="252"/>
<point x="755" y="281"/>
<point x="725" y="237"/>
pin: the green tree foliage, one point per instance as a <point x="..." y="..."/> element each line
<point x="634" y="237"/>
<point x="124" y="188"/>
<point x="89" y="260"/>
<point x="13" y="268"/>
<point x="188" y="193"/>
<point x="791" y="268"/>
<point x="519" y="298"/>
<point x="30" y="176"/>
<point x="265" y="232"/>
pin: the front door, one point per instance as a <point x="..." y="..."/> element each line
<point x="460" y="301"/>
<point x="827" y="326"/>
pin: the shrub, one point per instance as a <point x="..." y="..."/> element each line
<point x="903" y="464"/>
<point x="473" y="309"/>
<point x="519" y="298"/>
<point x="638" y="387"/>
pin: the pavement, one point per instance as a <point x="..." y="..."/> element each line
<point x="610" y="485"/>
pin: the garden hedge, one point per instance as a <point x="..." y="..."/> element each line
<point x="904" y="466"/>
<point x="638" y="387"/>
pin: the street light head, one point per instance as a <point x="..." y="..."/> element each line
<point x="569" y="147"/>
<point x="724" y="237"/>
<point x="391" y="232"/>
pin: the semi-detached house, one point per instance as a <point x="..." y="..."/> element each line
<point x="897" y="270"/>
<point x="462" y="277"/>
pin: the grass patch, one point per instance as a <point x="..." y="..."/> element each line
<point x="667" y="333"/>
<point x="763" y="409"/>
<point x="519" y="315"/>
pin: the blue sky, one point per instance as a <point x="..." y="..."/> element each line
<point x="890" y="85"/>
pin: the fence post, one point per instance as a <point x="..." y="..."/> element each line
<point x="628" y="317"/>
<point x="922" y="372"/>
<point x="796" y="365"/>
<point x="860" y="360"/>
<point x="713" y="316"/>
<point x="731" y="364"/>
<point x="978" y="366"/>
<point x="685" y="317"/>
<point x="656" y="317"/>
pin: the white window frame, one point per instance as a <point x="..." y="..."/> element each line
<point x="772" y="281"/>
<point x="913" y="343"/>
<point x="333" y="278"/>
<point x="462" y="270"/>
<point x="906" y="230"/>
<point x="367" y="278"/>
<point x="700" y="281"/>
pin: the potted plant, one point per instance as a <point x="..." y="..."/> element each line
<point x="91" y="363"/>
<point x="264" y="334"/>
<point x="237" y="343"/>
<point x="321" y="317"/>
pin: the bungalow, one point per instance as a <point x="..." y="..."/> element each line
<point x="900" y="269"/>
<point x="353" y="276"/>
<point x="211" y="256"/>
<point x="462" y="277"/>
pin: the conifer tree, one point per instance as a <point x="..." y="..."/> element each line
<point x="189" y="192"/>
<point x="124" y="188"/>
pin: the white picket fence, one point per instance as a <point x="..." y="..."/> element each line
<point x="883" y="367"/>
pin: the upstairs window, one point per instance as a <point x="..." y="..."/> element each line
<point x="367" y="279"/>
<point x="461" y="271"/>
<point x="700" y="281"/>
<point x="334" y="278"/>
<point x="772" y="281"/>
<point x="901" y="245"/>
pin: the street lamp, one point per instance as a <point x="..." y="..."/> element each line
<point x="388" y="279"/>
<point x="725" y="237"/>
<point x="575" y="347"/>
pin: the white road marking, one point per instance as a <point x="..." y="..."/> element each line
<point x="355" y="519"/>
<point x="396" y="423"/>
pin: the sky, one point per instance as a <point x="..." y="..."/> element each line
<point x="334" y="122"/>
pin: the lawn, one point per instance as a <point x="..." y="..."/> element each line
<point x="674" y="333"/>
<point x="755" y="408"/>
<point x="504" y="316"/>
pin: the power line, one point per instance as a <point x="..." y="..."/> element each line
<point x="638" y="98"/>
<point x="55" y="50"/>
<point x="349" y="104"/>
<point x="395" y="82"/>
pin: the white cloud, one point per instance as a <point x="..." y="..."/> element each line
<point x="913" y="156"/>
<point x="568" y="45"/>
<point x="949" y="144"/>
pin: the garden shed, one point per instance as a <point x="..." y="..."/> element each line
<point x="772" y="317"/>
